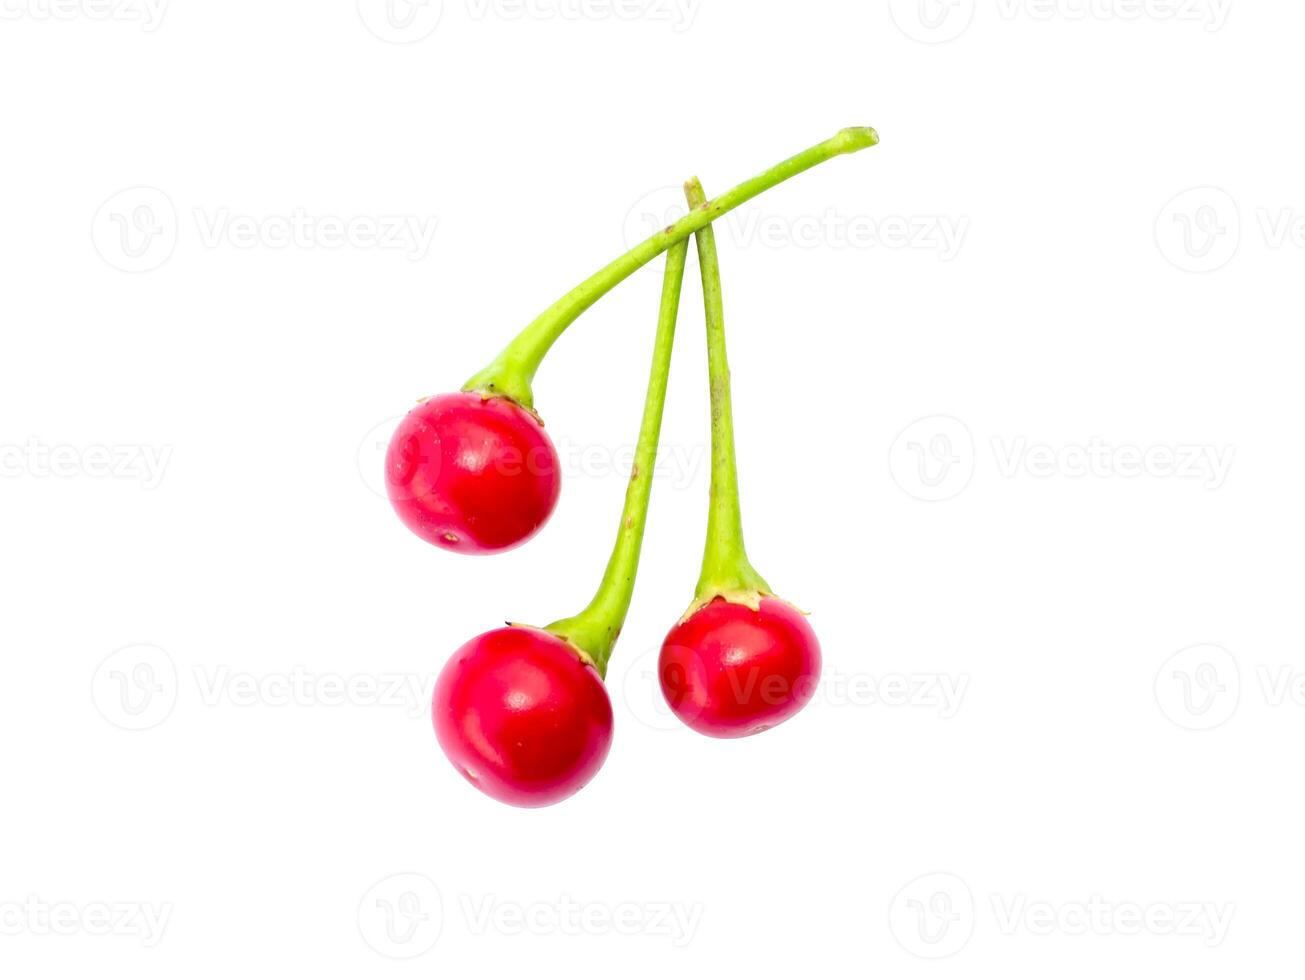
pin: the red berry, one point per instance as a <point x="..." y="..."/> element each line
<point x="729" y="671"/>
<point x="472" y="474"/>
<point x="522" y="716"/>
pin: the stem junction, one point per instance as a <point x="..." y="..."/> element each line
<point x="511" y="373"/>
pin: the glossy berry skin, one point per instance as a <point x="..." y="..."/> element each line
<point x="728" y="671"/>
<point x="522" y="716"/>
<point x="472" y="474"/>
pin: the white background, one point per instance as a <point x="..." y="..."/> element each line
<point x="1091" y="540"/>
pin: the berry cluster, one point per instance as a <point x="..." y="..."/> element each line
<point x="521" y="712"/>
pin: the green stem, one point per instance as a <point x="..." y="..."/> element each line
<point x="594" y="631"/>
<point x="513" y="370"/>
<point x="726" y="570"/>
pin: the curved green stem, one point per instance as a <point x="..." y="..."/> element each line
<point x="513" y="370"/>
<point x="726" y="570"/>
<point x="594" y="631"/>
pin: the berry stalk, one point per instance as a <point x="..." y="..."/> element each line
<point x="511" y="373"/>
<point x="726" y="570"/>
<point x="594" y="631"/>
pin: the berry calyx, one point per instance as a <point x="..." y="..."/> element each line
<point x="472" y="474"/>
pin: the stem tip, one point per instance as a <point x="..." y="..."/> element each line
<point x="858" y="137"/>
